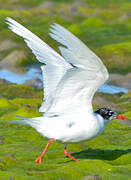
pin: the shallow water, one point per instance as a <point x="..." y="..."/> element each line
<point x="111" y="89"/>
<point x="36" y="73"/>
<point x="21" y="77"/>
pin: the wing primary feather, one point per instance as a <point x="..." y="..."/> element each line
<point x="56" y="65"/>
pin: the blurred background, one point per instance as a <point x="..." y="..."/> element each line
<point x="105" y="27"/>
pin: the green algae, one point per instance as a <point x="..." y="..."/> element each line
<point x="119" y="48"/>
<point x="74" y="28"/>
<point x="127" y="96"/>
<point x="12" y="91"/>
<point x="109" y="153"/>
<point x="4" y="103"/>
<point x="93" y="23"/>
<point x="118" y="53"/>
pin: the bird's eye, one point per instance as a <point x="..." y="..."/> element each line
<point x="111" y="113"/>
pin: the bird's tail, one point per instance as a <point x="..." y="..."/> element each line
<point x="24" y="120"/>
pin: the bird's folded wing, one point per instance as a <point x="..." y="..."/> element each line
<point x="55" y="65"/>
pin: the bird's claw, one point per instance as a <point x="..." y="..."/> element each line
<point x="38" y="160"/>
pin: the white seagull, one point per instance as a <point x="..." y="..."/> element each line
<point x="70" y="82"/>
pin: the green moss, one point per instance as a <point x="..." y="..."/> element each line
<point x="22" y="144"/>
<point x="24" y="62"/>
<point x="126" y="96"/>
<point x="122" y="160"/>
<point x="128" y="114"/>
<point x="109" y="15"/>
<point x="34" y="103"/>
<point x="6" y="106"/>
<point x="123" y="48"/>
<point x="117" y="57"/>
<point x="9" y="159"/>
<point x="126" y="106"/>
<point x="28" y="112"/>
<point x="12" y="91"/>
<point x="75" y="29"/>
<point x="86" y="11"/>
<point x="5" y="13"/>
<point x="105" y="3"/>
<point x="4" y="103"/>
<point x="93" y="23"/>
<point x="30" y="4"/>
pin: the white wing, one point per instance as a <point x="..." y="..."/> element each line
<point x="79" y="84"/>
<point x="55" y="65"/>
<point x="66" y="88"/>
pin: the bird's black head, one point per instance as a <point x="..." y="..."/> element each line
<point x="106" y="113"/>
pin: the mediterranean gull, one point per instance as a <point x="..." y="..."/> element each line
<point x="70" y="82"/>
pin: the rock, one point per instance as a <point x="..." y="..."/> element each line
<point x="37" y="83"/>
<point x="2" y="164"/>
<point x="46" y="5"/>
<point x="11" y="178"/>
<point x="10" y="158"/>
<point x="125" y="16"/>
<point x="1" y="140"/>
<point x="3" y="81"/>
<point x="114" y="76"/>
<point x="92" y="177"/>
<point x="127" y="122"/>
<point x="101" y="102"/>
<point x="72" y="9"/>
<point x="7" y="44"/>
<point x="123" y="81"/>
<point x="75" y="5"/>
<point x="127" y="96"/>
<point x="13" y="59"/>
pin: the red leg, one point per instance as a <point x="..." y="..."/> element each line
<point x="39" y="159"/>
<point x="67" y="154"/>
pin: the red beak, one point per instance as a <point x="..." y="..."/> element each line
<point x="121" y="117"/>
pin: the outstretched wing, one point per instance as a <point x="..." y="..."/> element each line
<point x="80" y="83"/>
<point x="55" y="65"/>
<point x="66" y="86"/>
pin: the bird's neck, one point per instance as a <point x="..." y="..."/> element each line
<point x="100" y="119"/>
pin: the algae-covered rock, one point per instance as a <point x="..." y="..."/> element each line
<point x="10" y="159"/>
<point x="15" y="58"/>
<point x="102" y="102"/>
<point x="4" y="103"/>
<point x="3" y="81"/>
<point x="127" y="96"/>
<point x="12" y="91"/>
<point x="92" y="177"/>
<point x="7" y="44"/>
<point x="2" y="165"/>
<point x="46" y="5"/>
<point x="1" y="140"/>
<point x="124" y="81"/>
<point x="74" y="28"/>
<point x="36" y="82"/>
<point x="123" y="48"/>
<point x="93" y="23"/>
<point x="33" y="103"/>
